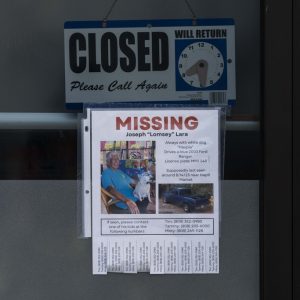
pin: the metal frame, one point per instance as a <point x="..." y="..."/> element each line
<point x="70" y="121"/>
<point x="296" y="149"/>
<point x="277" y="139"/>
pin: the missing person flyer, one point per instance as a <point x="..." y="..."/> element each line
<point x="155" y="190"/>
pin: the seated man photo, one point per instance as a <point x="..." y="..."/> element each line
<point x="121" y="186"/>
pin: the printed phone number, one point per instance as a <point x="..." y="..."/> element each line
<point x="158" y="226"/>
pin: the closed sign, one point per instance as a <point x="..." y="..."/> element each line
<point x="170" y="60"/>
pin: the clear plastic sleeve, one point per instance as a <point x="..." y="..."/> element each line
<point x="173" y="236"/>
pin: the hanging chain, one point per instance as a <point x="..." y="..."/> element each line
<point x="108" y="13"/>
<point x="192" y="11"/>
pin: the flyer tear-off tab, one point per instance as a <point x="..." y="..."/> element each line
<point x="155" y="190"/>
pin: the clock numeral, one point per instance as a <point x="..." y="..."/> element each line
<point x="219" y="74"/>
<point x="221" y="65"/>
<point x="191" y="82"/>
<point x="180" y="66"/>
<point x="211" y="82"/>
<point x="219" y="54"/>
<point x="184" y="55"/>
<point x="183" y="75"/>
<point x="191" y="47"/>
<point x="201" y="44"/>
<point x="212" y="47"/>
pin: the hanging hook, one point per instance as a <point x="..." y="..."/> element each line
<point x="192" y="12"/>
<point x="104" y="22"/>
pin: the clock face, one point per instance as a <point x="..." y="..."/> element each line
<point x="201" y="64"/>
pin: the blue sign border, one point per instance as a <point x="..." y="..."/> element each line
<point x="147" y="23"/>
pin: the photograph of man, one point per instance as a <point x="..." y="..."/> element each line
<point x="121" y="186"/>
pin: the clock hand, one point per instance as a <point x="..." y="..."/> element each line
<point x="199" y="68"/>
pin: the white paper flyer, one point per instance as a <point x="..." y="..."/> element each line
<point x="155" y="190"/>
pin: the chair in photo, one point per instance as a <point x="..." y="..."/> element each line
<point x="108" y="200"/>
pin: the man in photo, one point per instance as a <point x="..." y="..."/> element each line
<point x="121" y="187"/>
